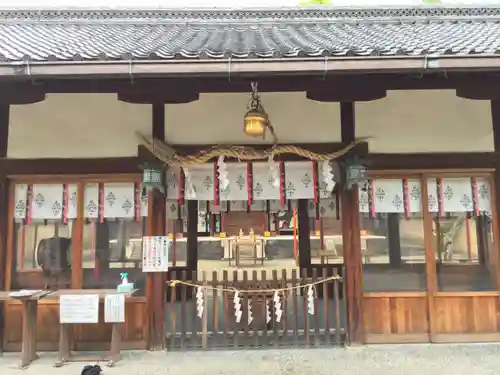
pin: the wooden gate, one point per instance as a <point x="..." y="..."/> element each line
<point x="253" y="321"/>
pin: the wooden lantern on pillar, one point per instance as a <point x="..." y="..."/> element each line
<point x="153" y="178"/>
<point x="355" y="173"/>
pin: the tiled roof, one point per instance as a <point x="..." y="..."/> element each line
<point x="218" y="34"/>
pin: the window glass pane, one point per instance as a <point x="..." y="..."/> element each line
<point x="110" y="248"/>
<point x="326" y="241"/>
<point x="42" y="255"/>
<point x="464" y="258"/>
<point x="393" y="252"/>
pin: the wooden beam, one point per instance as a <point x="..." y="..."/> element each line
<point x="495" y="191"/>
<point x="192" y="235"/>
<point x="434" y="160"/>
<point x="275" y="83"/>
<point x="351" y="238"/>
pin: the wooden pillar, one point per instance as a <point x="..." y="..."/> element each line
<point x="351" y="238"/>
<point x="4" y="204"/>
<point x="495" y="120"/>
<point x="304" y="234"/>
<point x="192" y="235"/>
<point x="156" y="281"/>
<point x="394" y="240"/>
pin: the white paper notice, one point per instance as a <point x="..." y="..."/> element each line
<point x="114" y="308"/>
<point x="155" y="253"/>
<point x="81" y="308"/>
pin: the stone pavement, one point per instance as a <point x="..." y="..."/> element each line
<point x="470" y="359"/>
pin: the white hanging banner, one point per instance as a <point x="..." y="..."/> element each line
<point x="414" y="195"/>
<point x="173" y="210"/>
<point x="327" y="208"/>
<point x="47" y="202"/>
<point x="155" y="251"/>
<point x="222" y="207"/>
<point x="276" y="206"/>
<point x="266" y="185"/>
<point x="91" y="201"/>
<point x="172" y="177"/>
<point x="388" y="196"/>
<point x="483" y="195"/>
<point x="238" y="206"/>
<point x="457" y="195"/>
<point x="119" y="200"/>
<point x="364" y="200"/>
<point x="144" y="202"/>
<point x="20" y="195"/>
<point x="299" y="182"/>
<point x="201" y="178"/>
<point x="432" y="195"/>
<point x="72" y="201"/>
<point x="237" y="189"/>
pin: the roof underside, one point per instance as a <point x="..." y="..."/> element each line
<point x="220" y="34"/>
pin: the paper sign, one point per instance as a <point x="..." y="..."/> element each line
<point x="155" y="253"/>
<point x="78" y="308"/>
<point x="114" y="308"/>
<point x="222" y="235"/>
<point x="267" y="234"/>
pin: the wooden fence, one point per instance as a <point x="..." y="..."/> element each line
<point x="203" y="314"/>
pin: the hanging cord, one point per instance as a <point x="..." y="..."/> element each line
<point x="174" y="283"/>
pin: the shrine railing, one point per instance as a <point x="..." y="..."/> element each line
<point x="255" y="309"/>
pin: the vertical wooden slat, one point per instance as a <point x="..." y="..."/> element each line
<point x="267" y="300"/>
<point x="336" y="301"/>
<point x="304" y="308"/>
<point x="215" y="309"/>
<point x="295" y="307"/>
<point x="277" y="324"/>
<point x="225" y="307"/>
<point x="246" y="299"/>
<point x="256" y="309"/>
<point x="184" y="316"/>
<point x="285" y="304"/>
<point x="173" y="320"/>
<point x="326" y="300"/>
<point x="316" y="309"/>
<point x="235" y="325"/>
<point x="77" y="246"/>
<point x="194" y="338"/>
<point x="204" y="337"/>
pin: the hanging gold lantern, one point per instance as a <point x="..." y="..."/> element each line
<point x="256" y="119"/>
<point x="255" y="123"/>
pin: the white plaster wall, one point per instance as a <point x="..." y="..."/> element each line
<point x="77" y="126"/>
<point x="83" y="125"/>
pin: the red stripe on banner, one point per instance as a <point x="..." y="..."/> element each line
<point x="137" y="188"/>
<point x="475" y="196"/>
<point x="372" y="200"/>
<point x="65" y="203"/>
<point x="406" y="198"/>
<point x="182" y="181"/>
<point x="29" y="202"/>
<point x="439" y="184"/>
<point x="216" y="185"/>
<point x="101" y="202"/>
<point x="282" y="184"/>
<point x="250" y="184"/>
<point x="315" y="182"/>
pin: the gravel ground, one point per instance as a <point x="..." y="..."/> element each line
<point x="434" y="359"/>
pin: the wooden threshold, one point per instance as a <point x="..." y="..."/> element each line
<point x="406" y="338"/>
<point x="466" y="337"/>
<point x="394" y="294"/>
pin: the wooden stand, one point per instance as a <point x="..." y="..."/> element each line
<point x="65" y="354"/>
<point x="30" y="309"/>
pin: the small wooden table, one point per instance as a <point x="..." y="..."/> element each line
<point x="65" y="354"/>
<point x="30" y="310"/>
